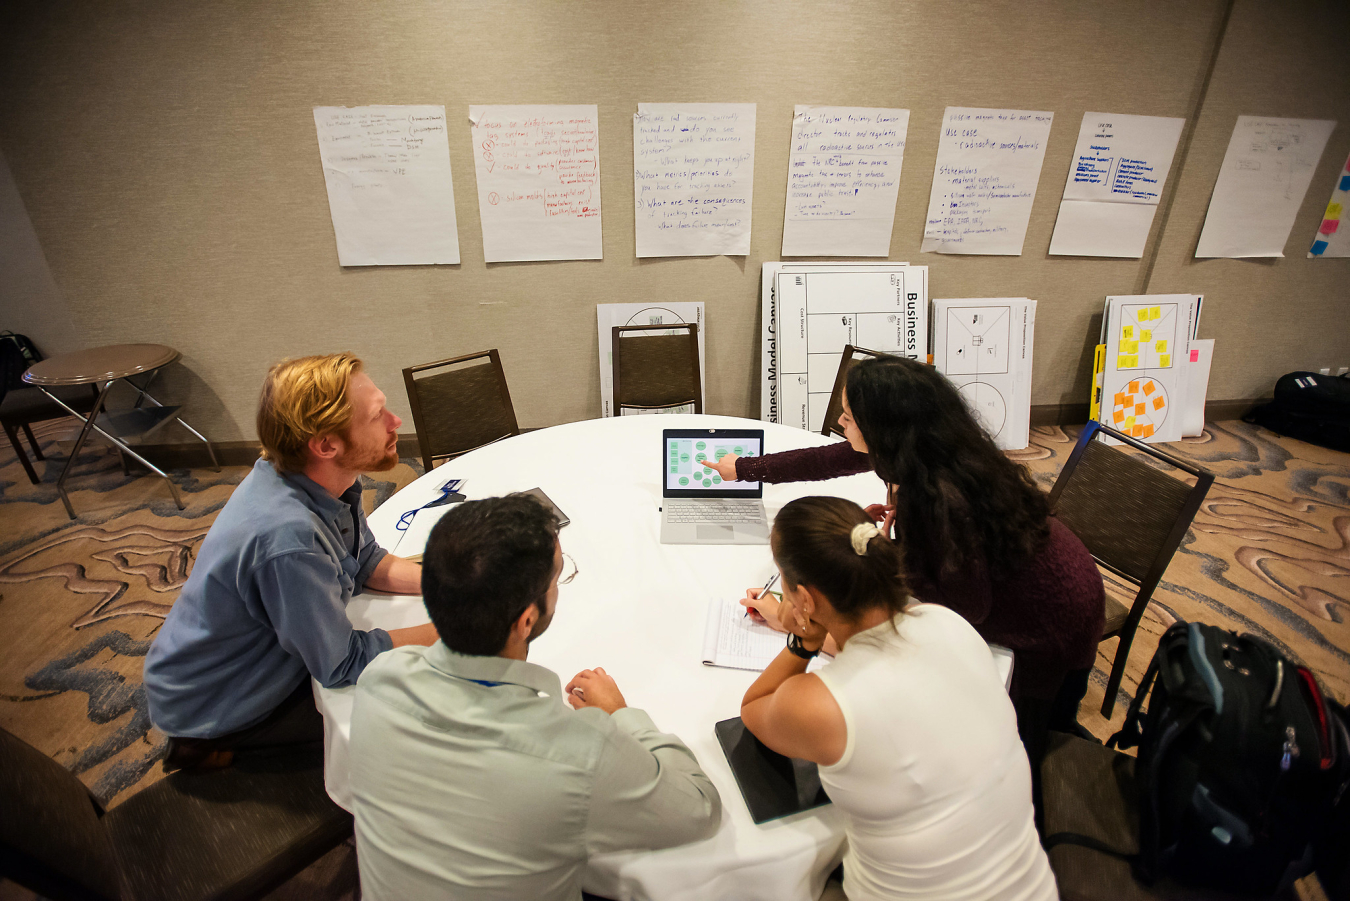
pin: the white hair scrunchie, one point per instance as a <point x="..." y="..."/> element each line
<point x="862" y="533"/>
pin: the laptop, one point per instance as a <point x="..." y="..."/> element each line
<point x="697" y="506"/>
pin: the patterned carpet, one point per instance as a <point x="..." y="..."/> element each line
<point x="80" y="601"/>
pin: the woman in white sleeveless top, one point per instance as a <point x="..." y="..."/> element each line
<point x="911" y="726"/>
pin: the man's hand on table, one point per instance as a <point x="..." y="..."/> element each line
<point x="725" y="467"/>
<point x="396" y="576"/>
<point x="423" y="635"/>
<point x="595" y="688"/>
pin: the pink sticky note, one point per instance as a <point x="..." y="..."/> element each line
<point x="1329" y="226"/>
<point x="1195" y="356"/>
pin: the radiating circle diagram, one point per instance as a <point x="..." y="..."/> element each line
<point x="1139" y="408"/>
<point x="987" y="404"/>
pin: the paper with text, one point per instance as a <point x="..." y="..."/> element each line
<point x="984" y="181"/>
<point x="1261" y="184"/>
<point x="387" y="169"/>
<point x="843" y="179"/>
<point x="693" y="178"/>
<point x="1332" y="240"/>
<point x="538" y="171"/>
<point x="1114" y="184"/>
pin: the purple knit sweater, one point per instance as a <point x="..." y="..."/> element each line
<point x="1050" y="612"/>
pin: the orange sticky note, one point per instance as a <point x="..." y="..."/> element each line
<point x="1150" y="387"/>
<point x="1137" y="431"/>
<point x="1134" y="386"/>
<point x="1159" y="402"/>
<point x="1148" y="431"/>
<point x="1120" y="400"/>
<point x="1165" y="360"/>
<point x="1118" y="417"/>
<point x="1140" y="409"/>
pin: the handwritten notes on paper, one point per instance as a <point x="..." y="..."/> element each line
<point x="538" y="171"/>
<point x="984" y="181"/>
<point x="387" y="169"/>
<point x="1115" y="182"/>
<point x="693" y="174"/>
<point x="1264" y="175"/>
<point x="843" y="178"/>
<point x="1332" y="240"/>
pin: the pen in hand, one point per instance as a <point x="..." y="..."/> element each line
<point x="773" y="580"/>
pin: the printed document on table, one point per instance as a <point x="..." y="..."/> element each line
<point x="1114" y="184"/>
<point x="733" y="640"/>
<point x="693" y="178"/>
<point x="538" y="170"/>
<point x="984" y="181"/>
<point x="1332" y="240"/>
<point x="1264" y="175"/>
<point x="843" y="179"/>
<point x="387" y="170"/>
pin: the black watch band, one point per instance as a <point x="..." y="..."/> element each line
<point x="794" y="644"/>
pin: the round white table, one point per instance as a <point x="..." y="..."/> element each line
<point x="638" y="609"/>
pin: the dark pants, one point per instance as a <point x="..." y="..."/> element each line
<point x="295" y="721"/>
<point x="1037" y="717"/>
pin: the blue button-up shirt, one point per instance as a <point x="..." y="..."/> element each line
<point x="265" y="607"/>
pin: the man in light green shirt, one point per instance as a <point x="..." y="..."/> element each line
<point x="471" y="778"/>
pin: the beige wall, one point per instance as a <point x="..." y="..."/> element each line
<point x="166" y="155"/>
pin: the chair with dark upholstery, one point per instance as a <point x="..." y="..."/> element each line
<point x="21" y="406"/>
<point x="1089" y="791"/>
<point x="459" y="404"/>
<point x="1132" y="517"/>
<point x="835" y="409"/>
<point x="658" y="371"/>
<point x="226" y="834"/>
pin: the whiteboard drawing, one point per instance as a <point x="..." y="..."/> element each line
<point x="1148" y="342"/>
<point x="811" y="310"/>
<point x="983" y="346"/>
<point x="608" y="315"/>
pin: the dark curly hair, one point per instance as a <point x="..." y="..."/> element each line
<point x="960" y="504"/>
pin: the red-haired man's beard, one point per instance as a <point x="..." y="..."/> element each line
<point x="372" y="457"/>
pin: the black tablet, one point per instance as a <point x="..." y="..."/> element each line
<point x="773" y="785"/>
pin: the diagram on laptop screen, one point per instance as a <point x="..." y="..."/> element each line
<point x="685" y="456"/>
<point x="984" y="348"/>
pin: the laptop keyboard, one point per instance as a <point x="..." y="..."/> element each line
<point x="724" y="513"/>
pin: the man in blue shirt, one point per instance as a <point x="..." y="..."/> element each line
<point x="265" y="606"/>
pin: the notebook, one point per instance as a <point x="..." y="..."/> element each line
<point x="697" y="506"/>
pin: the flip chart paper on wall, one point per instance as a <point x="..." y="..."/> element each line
<point x="1145" y="382"/>
<point x="538" y="170"/>
<point x="608" y="315"/>
<point x="1333" y="232"/>
<point x="693" y="177"/>
<point x="387" y="170"/>
<point x="1261" y="184"/>
<point x="984" y="181"/>
<point x="843" y="179"/>
<point x="1114" y="184"/>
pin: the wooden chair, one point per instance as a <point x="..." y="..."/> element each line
<point x="835" y="409"/>
<point x="460" y="406"/>
<point x="1089" y="793"/>
<point x="1132" y="517"/>
<point x="226" y="834"/>
<point x="656" y="372"/>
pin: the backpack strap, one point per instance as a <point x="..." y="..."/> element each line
<point x="1085" y="841"/>
<point x="1130" y="731"/>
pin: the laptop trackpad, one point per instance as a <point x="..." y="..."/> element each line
<point x="715" y="533"/>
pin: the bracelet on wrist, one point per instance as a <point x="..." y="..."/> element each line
<point x="794" y="645"/>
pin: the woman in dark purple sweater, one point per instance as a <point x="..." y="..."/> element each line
<point x="977" y="531"/>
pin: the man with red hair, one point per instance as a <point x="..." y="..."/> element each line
<point x="264" y="609"/>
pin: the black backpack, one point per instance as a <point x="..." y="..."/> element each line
<point x="1242" y="763"/>
<point x="1310" y="407"/>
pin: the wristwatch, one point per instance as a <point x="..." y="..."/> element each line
<point x="794" y="644"/>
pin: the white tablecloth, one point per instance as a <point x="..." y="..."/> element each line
<point x="637" y="608"/>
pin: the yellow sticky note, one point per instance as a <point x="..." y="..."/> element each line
<point x="1146" y="334"/>
<point x="1129" y="421"/>
<point x="1155" y="312"/>
<point x="1165" y="360"/>
<point x="1134" y="361"/>
<point x="1160" y="345"/>
<point x="1127" y="332"/>
<point x="1133" y="347"/>
<point x="1333" y="211"/>
<point x="1122" y="362"/>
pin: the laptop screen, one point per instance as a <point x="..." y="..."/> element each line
<point x="685" y="451"/>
